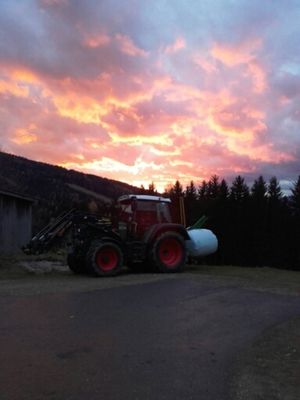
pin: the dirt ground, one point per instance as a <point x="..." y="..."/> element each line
<point x="269" y="369"/>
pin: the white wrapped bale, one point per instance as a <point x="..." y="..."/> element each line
<point x="203" y="242"/>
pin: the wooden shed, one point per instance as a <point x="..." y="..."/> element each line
<point x="15" y="221"/>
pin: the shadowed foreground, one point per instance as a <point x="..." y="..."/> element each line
<point x="172" y="338"/>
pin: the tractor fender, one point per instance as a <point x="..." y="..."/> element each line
<point x="111" y="238"/>
<point x="157" y="229"/>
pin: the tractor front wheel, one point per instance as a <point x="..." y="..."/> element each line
<point x="168" y="253"/>
<point x="104" y="258"/>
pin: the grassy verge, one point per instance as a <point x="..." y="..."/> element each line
<point x="270" y="368"/>
<point x="271" y="279"/>
<point x="258" y="278"/>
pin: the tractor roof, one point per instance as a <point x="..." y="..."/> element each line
<point x="144" y="197"/>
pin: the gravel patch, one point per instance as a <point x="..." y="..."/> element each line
<point x="43" y="267"/>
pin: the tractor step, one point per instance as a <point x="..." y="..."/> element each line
<point x="136" y="251"/>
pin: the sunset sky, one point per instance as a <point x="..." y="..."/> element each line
<point x="158" y="90"/>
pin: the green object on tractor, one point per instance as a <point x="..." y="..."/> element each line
<point x="198" y="224"/>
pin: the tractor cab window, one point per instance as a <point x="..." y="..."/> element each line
<point x="151" y="212"/>
<point x="164" y="212"/>
<point x="139" y="214"/>
<point x="125" y="211"/>
<point x="146" y="213"/>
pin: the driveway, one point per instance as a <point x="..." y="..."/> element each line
<point x="161" y="337"/>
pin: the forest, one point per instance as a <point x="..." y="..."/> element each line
<point x="256" y="226"/>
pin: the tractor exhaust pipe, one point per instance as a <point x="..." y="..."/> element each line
<point x="182" y="211"/>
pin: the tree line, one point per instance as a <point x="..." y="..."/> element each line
<point x="255" y="226"/>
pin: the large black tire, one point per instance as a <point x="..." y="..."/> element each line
<point x="104" y="258"/>
<point x="168" y="253"/>
<point x="76" y="263"/>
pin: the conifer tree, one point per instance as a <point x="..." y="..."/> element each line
<point x="223" y="190"/>
<point x="295" y="199"/>
<point x="257" y="224"/>
<point x="276" y="223"/>
<point x="213" y="187"/>
<point x="142" y="190"/>
<point x="239" y="190"/>
<point x="177" y="189"/>
<point x="203" y="190"/>
<point x="259" y="189"/>
<point x="175" y="192"/>
<point x="191" y="208"/>
<point x="274" y="190"/>
<point x="168" y="190"/>
<point x="151" y="188"/>
<point x="191" y="192"/>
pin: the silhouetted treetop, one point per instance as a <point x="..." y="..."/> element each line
<point x="259" y="189"/>
<point x="224" y="190"/>
<point x="191" y="191"/>
<point x="274" y="191"/>
<point x="239" y="190"/>
<point x="203" y="190"/>
<point x="213" y="187"/>
<point x="295" y="198"/>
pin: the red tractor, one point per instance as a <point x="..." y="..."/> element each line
<point x="139" y="234"/>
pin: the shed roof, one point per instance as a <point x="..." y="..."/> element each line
<point x="16" y="196"/>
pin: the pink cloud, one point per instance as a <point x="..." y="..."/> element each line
<point x="115" y="102"/>
<point x="128" y="47"/>
<point x="178" y="45"/>
<point x="97" y="40"/>
<point x="242" y="53"/>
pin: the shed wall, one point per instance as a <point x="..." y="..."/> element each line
<point x="15" y="224"/>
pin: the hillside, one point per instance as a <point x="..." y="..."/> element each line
<point x="56" y="189"/>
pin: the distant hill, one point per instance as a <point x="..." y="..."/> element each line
<point x="56" y="189"/>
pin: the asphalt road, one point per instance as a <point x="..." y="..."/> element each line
<point x="168" y="339"/>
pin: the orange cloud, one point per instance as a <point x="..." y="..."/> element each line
<point x="83" y="109"/>
<point x="242" y="53"/>
<point x="25" y="136"/>
<point x="262" y="153"/>
<point x="161" y="139"/>
<point x="113" y="166"/>
<point x="13" y="88"/>
<point x="24" y="75"/>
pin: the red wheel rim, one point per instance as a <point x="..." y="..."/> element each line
<point x="170" y="252"/>
<point x="107" y="258"/>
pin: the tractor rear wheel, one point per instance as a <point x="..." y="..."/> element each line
<point x="104" y="258"/>
<point x="168" y="253"/>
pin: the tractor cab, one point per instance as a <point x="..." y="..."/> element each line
<point x="140" y="212"/>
